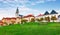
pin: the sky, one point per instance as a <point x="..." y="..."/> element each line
<point x="35" y="7"/>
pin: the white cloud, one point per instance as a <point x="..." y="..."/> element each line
<point x="10" y="12"/>
<point x="7" y="13"/>
<point x="23" y="9"/>
<point x="24" y="2"/>
<point x="26" y="11"/>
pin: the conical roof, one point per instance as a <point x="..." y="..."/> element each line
<point x="17" y="10"/>
<point x="46" y="13"/>
<point x="53" y="12"/>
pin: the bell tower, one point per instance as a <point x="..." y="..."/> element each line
<point x="17" y="12"/>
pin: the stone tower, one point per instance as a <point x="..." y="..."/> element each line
<point x="17" y="12"/>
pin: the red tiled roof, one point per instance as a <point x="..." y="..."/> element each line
<point x="30" y="15"/>
<point x="6" y="18"/>
<point x="40" y="15"/>
<point x="9" y="18"/>
<point x="13" y="18"/>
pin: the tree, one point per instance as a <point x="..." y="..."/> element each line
<point x="5" y="22"/>
<point x="47" y="19"/>
<point x="32" y="20"/>
<point x="12" y="22"/>
<point x="23" y="20"/>
<point x="39" y="20"/>
<point x="53" y="18"/>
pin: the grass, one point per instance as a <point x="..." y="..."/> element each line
<point x="31" y="28"/>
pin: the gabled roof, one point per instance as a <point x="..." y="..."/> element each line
<point x="46" y="13"/>
<point x="20" y="15"/>
<point x="53" y="12"/>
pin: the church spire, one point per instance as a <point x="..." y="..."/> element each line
<point x="17" y="12"/>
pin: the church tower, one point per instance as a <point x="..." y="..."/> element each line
<point x="17" y="12"/>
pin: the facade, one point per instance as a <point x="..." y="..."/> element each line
<point x="18" y="18"/>
<point x="12" y="20"/>
<point x="47" y="14"/>
<point x="8" y="20"/>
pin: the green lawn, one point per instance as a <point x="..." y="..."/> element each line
<point x="31" y="28"/>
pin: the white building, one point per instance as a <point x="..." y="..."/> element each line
<point x="47" y="14"/>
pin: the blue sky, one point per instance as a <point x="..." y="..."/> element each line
<point x="35" y="7"/>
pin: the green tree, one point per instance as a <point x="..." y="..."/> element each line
<point x="47" y="19"/>
<point x="32" y="20"/>
<point x="39" y="20"/>
<point x="24" y="21"/>
<point x="53" y="18"/>
<point x="12" y="22"/>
